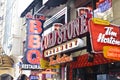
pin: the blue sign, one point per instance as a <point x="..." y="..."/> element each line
<point x="104" y="6"/>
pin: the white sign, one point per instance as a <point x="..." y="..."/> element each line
<point x="68" y="46"/>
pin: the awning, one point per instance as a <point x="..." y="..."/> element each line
<point x="54" y="3"/>
<point x="82" y="61"/>
<point x="49" y="3"/>
<point x="32" y="5"/>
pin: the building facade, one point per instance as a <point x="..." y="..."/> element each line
<point x="11" y="38"/>
<point x="68" y="40"/>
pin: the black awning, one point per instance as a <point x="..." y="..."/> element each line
<point x="54" y="3"/>
<point x="32" y="5"/>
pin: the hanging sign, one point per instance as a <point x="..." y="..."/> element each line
<point x="103" y="35"/>
<point x="31" y="59"/>
<point x="111" y="52"/>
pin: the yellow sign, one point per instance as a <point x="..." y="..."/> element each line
<point x="111" y="52"/>
<point x="45" y="64"/>
<point x="100" y="21"/>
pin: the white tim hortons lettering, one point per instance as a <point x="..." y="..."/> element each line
<point x="110" y="40"/>
<point x="100" y="37"/>
<point x="110" y="32"/>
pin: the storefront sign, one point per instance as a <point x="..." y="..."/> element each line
<point x="68" y="46"/>
<point x="65" y="58"/>
<point x="102" y="35"/>
<point x="44" y="64"/>
<point x="105" y="5"/>
<point x="67" y="32"/>
<point x="33" y="53"/>
<point x="30" y="66"/>
<point x="111" y="52"/>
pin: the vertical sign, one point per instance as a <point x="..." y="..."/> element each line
<point x="32" y="55"/>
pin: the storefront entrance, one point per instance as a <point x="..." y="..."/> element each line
<point x="109" y="71"/>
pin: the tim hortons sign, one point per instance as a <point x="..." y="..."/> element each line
<point x="104" y="35"/>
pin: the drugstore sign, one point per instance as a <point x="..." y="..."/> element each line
<point x="112" y="52"/>
<point x="103" y="35"/>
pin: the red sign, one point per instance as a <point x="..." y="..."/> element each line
<point x="104" y="35"/>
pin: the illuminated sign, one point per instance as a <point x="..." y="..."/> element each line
<point x="111" y="52"/>
<point x="104" y="35"/>
<point x="72" y="30"/>
<point x="65" y="58"/>
<point x="33" y="54"/>
<point x="70" y="45"/>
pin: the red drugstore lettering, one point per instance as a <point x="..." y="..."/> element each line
<point x="34" y="41"/>
<point x="35" y="27"/>
<point x="33" y="56"/>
